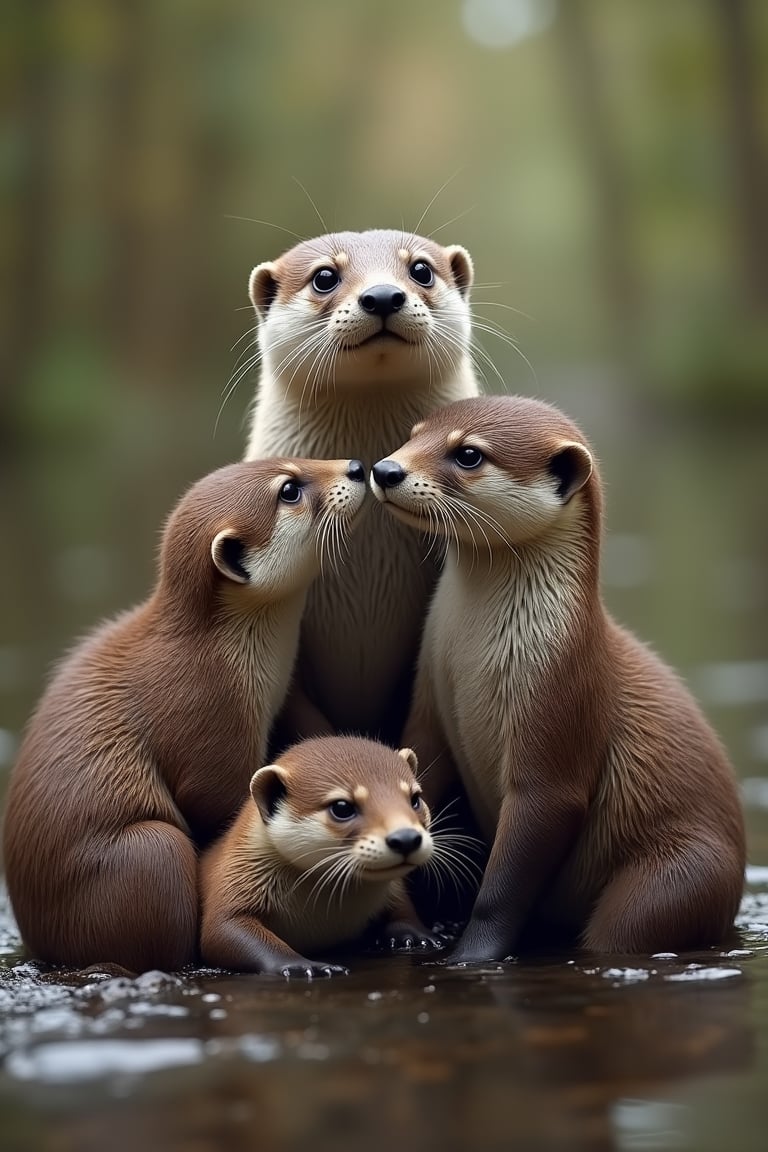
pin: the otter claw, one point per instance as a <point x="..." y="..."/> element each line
<point x="309" y="971"/>
<point x="407" y="939"/>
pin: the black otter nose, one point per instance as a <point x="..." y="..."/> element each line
<point x="405" y="840"/>
<point x="355" y="471"/>
<point x="388" y="473"/>
<point x="382" y="300"/>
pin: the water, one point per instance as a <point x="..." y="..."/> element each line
<point x="669" y="1052"/>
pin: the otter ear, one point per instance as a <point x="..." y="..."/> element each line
<point x="228" y="554"/>
<point x="410" y="758"/>
<point x="268" y="787"/>
<point x="262" y="287"/>
<point x="462" y="267"/>
<point x="571" y="466"/>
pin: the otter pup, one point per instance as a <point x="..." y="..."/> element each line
<point x="143" y="744"/>
<point x="360" y="335"/>
<point x="316" y="859"/>
<point x="609" y="806"/>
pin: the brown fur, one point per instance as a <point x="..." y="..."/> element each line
<point x="287" y="878"/>
<point x="336" y="380"/>
<point x="609" y="806"/>
<point x="142" y="747"/>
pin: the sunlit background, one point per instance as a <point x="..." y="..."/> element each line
<point x="603" y="160"/>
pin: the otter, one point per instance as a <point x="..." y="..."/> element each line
<point x="143" y="744"/>
<point x="609" y="806"/>
<point x="360" y="335"/>
<point x="317" y="859"/>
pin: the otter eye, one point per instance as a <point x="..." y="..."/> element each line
<point x="342" y="809"/>
<point x="325" y="280"/>
<point x="468" y="457"/>
<point x="416" y="801"/>
<point x="422" y="273"/>
<point x="290" y="493"/>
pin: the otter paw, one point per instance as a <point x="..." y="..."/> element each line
<point x="403" y="937"/>
<point x="469" y="956"/>
<point x="311" y="970"/>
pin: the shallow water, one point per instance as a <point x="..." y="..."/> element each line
<point x="624" y="1053"/>
<point x="577" y="1053"/>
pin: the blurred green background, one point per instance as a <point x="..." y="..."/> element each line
<point x="603" y="160"/>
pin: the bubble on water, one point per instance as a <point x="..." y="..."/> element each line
<point x="423" y="1017"/>
<point x="664" y="956"/>
<point x="375" y="995"/>
<point x="429" y="988"/>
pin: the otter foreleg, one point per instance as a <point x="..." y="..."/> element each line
<point x="535" y="830"/>
<point x="242" y="943"/>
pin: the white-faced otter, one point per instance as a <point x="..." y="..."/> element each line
<point x="316" y="858"/>
<point x="360" y="334"/>
<point x="609" y="806"/>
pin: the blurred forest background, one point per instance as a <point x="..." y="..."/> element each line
<point x="603" y="160"/>
<point x="608" y="164"/>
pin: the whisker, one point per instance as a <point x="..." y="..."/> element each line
<point x="317" y="210"/>
<point x="439" y="192"/>
<point x="267" y="224"/>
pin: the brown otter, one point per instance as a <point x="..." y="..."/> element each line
<point x="609" y="806"/>
<point x="360" y="335"/>
<point x="316" y="858"/>
<point x="142" y="747"/>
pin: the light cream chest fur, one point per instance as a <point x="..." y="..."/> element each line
<point x="490" y="635"/>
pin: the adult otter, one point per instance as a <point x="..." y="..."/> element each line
<point x="608" y="804"/>
<point x="361" y="334"/>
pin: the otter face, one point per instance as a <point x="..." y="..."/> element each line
<point x="284" y="519"/>
<point x="260" y="530"/>
<point x="354" y="306"/>
<point x="492" y="472"/>
<point x="345" y="807"/>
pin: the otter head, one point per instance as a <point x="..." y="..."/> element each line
<point x="258" y="531"/>
<point x="362" y="306"/>
<point x="494" y="472"/>
<point x="344" y="808"/>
